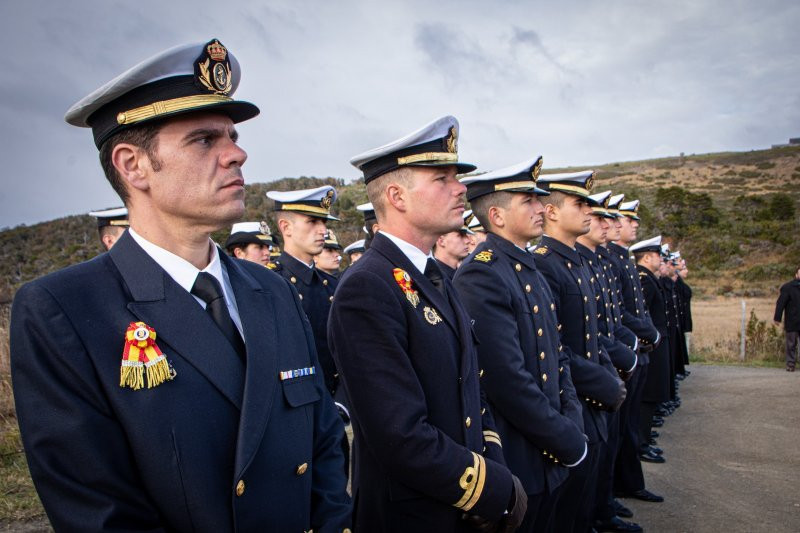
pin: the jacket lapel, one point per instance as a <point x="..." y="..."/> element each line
<point x="179" y="321"/>
<point x="258" y="315"/>
<point x="387" y="248"/>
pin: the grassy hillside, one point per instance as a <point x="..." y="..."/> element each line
<point x="733" y="215"/>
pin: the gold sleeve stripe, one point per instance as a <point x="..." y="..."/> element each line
<point x="492" y="436"/>
<point x="476" y="495"/>
<point x="468" y="481"/>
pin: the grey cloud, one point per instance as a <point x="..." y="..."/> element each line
<point x="450" y="52"/>
<point x="523" y="37"/>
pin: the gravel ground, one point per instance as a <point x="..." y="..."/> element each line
<point x="733" y="456"/>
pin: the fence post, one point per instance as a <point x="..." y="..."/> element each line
<point x="744" y="330"/>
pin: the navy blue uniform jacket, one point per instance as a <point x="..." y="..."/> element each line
<point x="170" y="458"/>
<point x="635" y="315"/>
<point x="656" y="388"/>
<point x="593" y="375"/>
<point x="411" y="375"/>
<point x="617" y="340"/>
<point x="526" y="374"/>
<point x="316" y="290"/>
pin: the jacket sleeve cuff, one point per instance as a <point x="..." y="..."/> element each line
<point x="579" y="461"/>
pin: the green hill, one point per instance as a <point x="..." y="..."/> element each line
<point x="733" y="215"/>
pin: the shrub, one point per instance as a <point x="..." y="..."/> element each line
<point x="762" y="342"/>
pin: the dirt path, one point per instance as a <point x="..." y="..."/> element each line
<point x="733" y="455"/>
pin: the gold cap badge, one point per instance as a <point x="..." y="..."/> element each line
<point x="452" y="140"/>
<point x="213" y="70"/>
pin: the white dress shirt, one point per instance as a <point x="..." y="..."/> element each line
<point x="184" y="273"/>
<point x="417" y="257"/>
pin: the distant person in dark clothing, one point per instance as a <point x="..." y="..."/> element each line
<point x="789" y="303"/>
<point x="685" y="294"/>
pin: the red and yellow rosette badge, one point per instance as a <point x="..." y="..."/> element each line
<point x="404" y="281"/>
<point x="142" y="353"/>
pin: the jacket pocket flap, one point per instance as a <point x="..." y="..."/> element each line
<point x="300" y="392"/>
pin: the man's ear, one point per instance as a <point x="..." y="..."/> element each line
<point x="108" y="240"/>
<point x="238" y="253"/>
<point x="396" y="196"/>
<point x="131" y="164"/>
<point x="497" y="217"/>
<point x="551" y="212"/>
<point x="285" y="227"/>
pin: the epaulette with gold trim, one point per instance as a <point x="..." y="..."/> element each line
<point x="541" y="250"/>
<point x="271" y="265"/>
<point x="486" y="256"/>
<point x="642" y="274"/>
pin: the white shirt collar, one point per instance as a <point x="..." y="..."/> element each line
<point x="417" y="257"/>
<point x="182" y="271"/>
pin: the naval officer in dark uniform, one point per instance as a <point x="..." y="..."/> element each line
<point x="164" y="386"/>
<point x="301" y="217"/>
<point x="427" y="454"/>
<point x="251" y="241"/>
<point x="656" y="389"/>
<point x="111" y="224"/>
<point x="568" y="215"/>
<point x="450" y="249"/>
<point x="526" y="374"/>
<point x="629" y="476"/>
<point x="620" y="343"/>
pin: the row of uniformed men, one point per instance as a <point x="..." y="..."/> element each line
<point x="580" y="268"/>
<point x="478" y="403"/>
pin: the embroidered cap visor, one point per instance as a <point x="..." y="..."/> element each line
<point x="184" y="79"/>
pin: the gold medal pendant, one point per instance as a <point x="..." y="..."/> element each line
<point x="413" y="298"/>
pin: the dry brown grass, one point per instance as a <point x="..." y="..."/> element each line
<point x="19" y="503"/>
<point x="717" y="323"/>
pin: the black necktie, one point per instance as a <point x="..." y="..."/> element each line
<point x="434" y="274"/>
<point x="207" y="288"/>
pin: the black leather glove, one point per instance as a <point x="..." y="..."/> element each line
<point x="622" y="394"/>
<point x="480" y="524"/>
<point x="516" y="512"/>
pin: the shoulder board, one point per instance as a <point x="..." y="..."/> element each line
<point x="486" y="256"/>
<point x="642" y="274"/>
<point x="271" y="265"/>
<point x="542" y="250"/>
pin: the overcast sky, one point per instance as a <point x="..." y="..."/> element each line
<point x="580" y="83"/>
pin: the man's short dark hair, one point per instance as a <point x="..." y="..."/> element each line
<point x="481" y="205"/>
<point x="110" y="230"/>
<point x="556" y="198"/>
<point x="142" y="136"/>
<point x="637" y="256"/>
